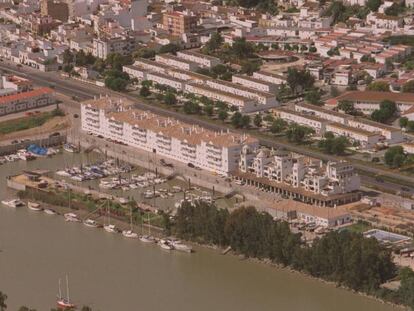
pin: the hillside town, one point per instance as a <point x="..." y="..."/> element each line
<point x="241" y="124"/>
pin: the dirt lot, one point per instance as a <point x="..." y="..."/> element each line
<point x="52" y="125"/>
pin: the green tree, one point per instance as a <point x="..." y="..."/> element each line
<point x="169" y="48"/>
<point x="170" y="99"/>
<point x="213" y="44"/>
<point x="223" y="114"/>
<point x="299" y="80"/>
<point x="387" y="110"/>
<point x="278" y="126"/>
<point x="67" y="57"/>
<point x="208" y="109"/>
<point x="394" y="156"/>
<point x="249" y="67"/>
<point x="144" y="91"/>
<point x="410" y="126"/>
<point x="406" y="290"/>
<point x="192" y="107"/>
<point x="403" y="122"/>
<point x="333" y="145"/>
<point x="236" y="119"/>
<point x="313" y="97"/>
<point x="298" y="133"/>
<point x="347" y="107"/>
<point x="379" y="86"/>
<point x="373" y="5"/>
<point x="257" y="121"/>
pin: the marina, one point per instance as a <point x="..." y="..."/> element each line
<point x="154" y="277"/>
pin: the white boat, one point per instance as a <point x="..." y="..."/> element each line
<point x="147" y="239"/>
<point x="129" y="234"/>
<point x="70" y="148"/>
<point x="34" y="206"/>
<point x="164" y="244"/>
<point x="12" y="203"/>
<point x="49" y="211"/>
<point x="64" y="302"/>
<point x="71" y="217"/>
<point x="179" y="246"/>
<point x="109" y="227"/>
<point x="90" y="223"/>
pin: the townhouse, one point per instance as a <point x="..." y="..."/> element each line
<point x="393" y="135"/>
<point x="365" y="138"/>
<point x="263" y="98"/>
<point x="175" y="61"/>
<point x="291" y="116"/>
<point x="165" y="79"/>
<point x="320" y="112"/>
<point x="255" y="83"/>
<point x="269" y="77"/>
<point x="202" y="60"/>
<point x="216" y="152"/>
<point x="26" y="100"/>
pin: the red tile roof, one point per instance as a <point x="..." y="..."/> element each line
<point x="25" y="95"/>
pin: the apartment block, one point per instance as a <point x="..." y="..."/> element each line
<point x="174" y="61"/>
<point x="326" y="114"/>
<point x="305" y="179"/>
<point x="202" y="60"/>
<point x="217" y="152"/>
<point x="254" y="83"/>
<point x="262" y="98"/>
<point x="291" y="116"/>
<point x="393" y="135"/>
<point x="105" y="46"/>
<point x="178" y="23"/>
<point x="365" y="138"/>
<point x="269" y="77"/>
<point x="165" y="79"/>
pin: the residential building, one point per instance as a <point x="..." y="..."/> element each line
<point x="255" y="83"/>
<point x="202" y="60"/>
<point x="174" y="61"/>
<point x="167" y="137"/>
<point x="178" y="23"/>
<point x="26" y="100"/>
<point x="312" y="121"/>
<point x="104" y="46"/>
<point x="56" y="9"/>
<point x="365" y="138"/>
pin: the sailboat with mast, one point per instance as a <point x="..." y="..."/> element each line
<point x="148" y="238"/>
<point x="109" y="227"/>
<point x="64" y="302"/>
<point x="130" y="233"/>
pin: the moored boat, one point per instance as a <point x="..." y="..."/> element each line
<point x="12" y="203"/>
<point x="49" y="211"/>
<point x="34" y="206"/>
<point x="64" y="302"/>
<point x="164" y="244"/>
<point x="90" y="223"/>
<point x="129" y="234"/>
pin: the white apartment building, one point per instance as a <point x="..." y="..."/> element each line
<point x="262" y="98"/>
<point x="280" y="166"/>
<point x="269" y="77"/>
<point x="326" y="114"/>
<point x="135" y="72"/>
<point x="202" y="60"/>
<point x="165" y="79"/>
<point x="243" y="103"/>
<point x="26" y="100"/>
<point x="150" y="65"/>
<point x="105" y="46"/>
<point x="217" y="152"/>
<point x="365" y="138"/>
<point x="392" y="134"/>
<point x="291" y="116"/>
<point x="254" y="83"/>
<point x="174" y="61"/>
<point x="408" y="148"/>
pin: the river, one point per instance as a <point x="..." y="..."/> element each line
<point x="109" y="272"/>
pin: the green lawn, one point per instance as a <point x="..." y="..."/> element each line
<point x="28" y="122"/>
<point x="359" y="227"/>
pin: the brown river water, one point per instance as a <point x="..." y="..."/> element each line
<point x="109" y="272"/>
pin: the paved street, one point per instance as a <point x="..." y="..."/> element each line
<point x="84" y="91"/>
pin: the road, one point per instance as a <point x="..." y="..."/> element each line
<point x="85" y="91"/>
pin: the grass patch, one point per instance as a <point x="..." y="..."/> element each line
<point x="28" y="122"/>
<point x="359" y="227"/>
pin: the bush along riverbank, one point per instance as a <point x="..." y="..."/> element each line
<point x="345" y="258"/>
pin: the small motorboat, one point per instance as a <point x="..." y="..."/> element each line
<point x="110" y="228"/>
<point x="71" y="217"/>
<point x="129" y="234"/>
<point x="90" y="223"/>
<point x="147" y="239"/>
<point x="49" y="211"/>
<point x="12" y="203"/>
<point x="179" y="246"/>
<point x="164" y="244"/>
<point x="34" y="206"/>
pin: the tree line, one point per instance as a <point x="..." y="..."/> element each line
<point x="343" y="257"/>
